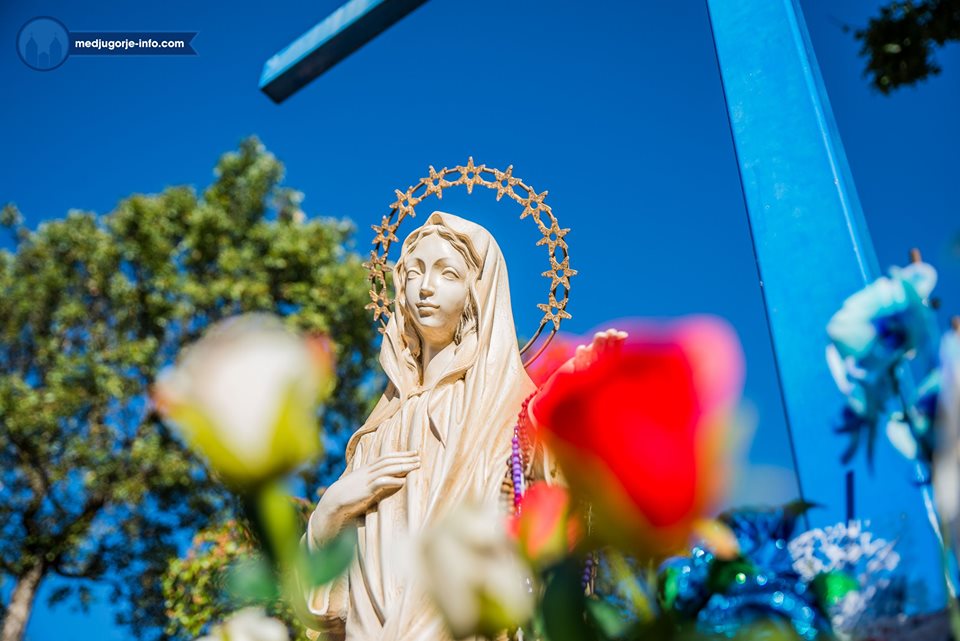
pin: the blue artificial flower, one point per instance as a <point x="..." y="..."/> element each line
<point x="911" y="432"/>
<point x="877" y="327"/>
<point x="887" y="319"/>
<point x="761" y="584"/>
<point x="763" y="534"/>
<point x="726" y="614"/>
<point x="682" y="583"/>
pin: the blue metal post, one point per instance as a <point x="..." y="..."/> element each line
<point x="813" y="250"/>
<point x="328" y="42"/>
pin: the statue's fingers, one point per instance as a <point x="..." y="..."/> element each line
<point x="601" y="344"/>
<point x="397" y="469"/>
<point x="392" y="468"/>
<point x="581" y="356"/>
<point x="394" y="457"/>
<point x="387" y="482"/>
<point x="617" y="342"/>
<point x="615" y="339"/>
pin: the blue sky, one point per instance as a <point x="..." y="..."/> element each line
<point x="616" y="109"/>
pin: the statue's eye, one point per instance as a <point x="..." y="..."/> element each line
<point x="450" y="273"/>
<point x="412" y="273"/>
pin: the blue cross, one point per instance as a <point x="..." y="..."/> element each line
<point x="813" y="250"/>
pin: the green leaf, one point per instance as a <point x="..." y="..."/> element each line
<point x="723" y="574"/>
<point x="564" y="605"/>
<point x="798" y="508"/>
<point x="252" y="580"/>
<point x="668" y="587"/>
<point x="327" y="563"/>
<point x="610" y="621"/>
<point x="831" y="587"/>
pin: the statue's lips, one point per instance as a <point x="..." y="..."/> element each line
<point x="427" y="308"/>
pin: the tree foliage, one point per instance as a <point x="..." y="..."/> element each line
<point x="196" y="586"/>
<point x="95" y="489"/>
<point x="899" y="43"/>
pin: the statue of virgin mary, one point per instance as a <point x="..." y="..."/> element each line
<point x="439" y="436"/>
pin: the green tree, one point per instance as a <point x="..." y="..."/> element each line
<point x="899" y="43"/>
<point x="95" y="490"/>
<point x="196" y="585"/>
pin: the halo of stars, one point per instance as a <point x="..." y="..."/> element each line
<point x="505" y="184"/>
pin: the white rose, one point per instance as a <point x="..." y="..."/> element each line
<point x="475" y="575"/>
<point x="249" y="624"/>
<point x="245" y="396"/>
<point x="946" y="460"/>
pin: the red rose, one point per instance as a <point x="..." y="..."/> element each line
<point x="546" y="528"/>
<point x="640" y="433"/>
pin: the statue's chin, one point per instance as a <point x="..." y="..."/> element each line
<point x="436" y="333"/>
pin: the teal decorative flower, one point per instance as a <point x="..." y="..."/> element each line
<point x="912" y="432"/>
<point x="877" y="329"/>
<point x="887" y="319"/>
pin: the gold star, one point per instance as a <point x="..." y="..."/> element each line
<point x="554" y="316"/>
<point x="470" y="174"/>
<point x="553" y="236"/>
<point x="391" y="235"/>
<point x="532" y="205"/>
<point x="375" y="264"/>
<point x="380" y="303"/>
<point x="436" y="183"/>
<point x="402" y="201"/>
<point x="385" y="232"/>
<point x="505" y="176"/>
<point x="560" y="273"/>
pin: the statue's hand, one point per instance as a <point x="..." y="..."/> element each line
<point x="603" y="342"/>
<point x="356" y="491"/>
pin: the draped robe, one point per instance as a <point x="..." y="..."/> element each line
<point x="461" y="427"/>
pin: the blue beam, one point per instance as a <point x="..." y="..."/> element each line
<point x="813" y="250"/>
<point x="330" y="41"/>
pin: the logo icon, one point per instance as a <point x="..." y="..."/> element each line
<point x="43" y="43"/>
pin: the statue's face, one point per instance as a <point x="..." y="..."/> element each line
<point x="436" y="288"/>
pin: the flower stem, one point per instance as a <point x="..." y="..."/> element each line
<point x="275" y="525"/>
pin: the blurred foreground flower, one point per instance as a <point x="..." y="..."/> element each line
<point x="560" y="350"/>
<point x="249" y="624"/>
<point x="946" y="471"/>
<point x="547" y="528"/>
<point x="717" y="538"/>
<point x="245" y="396"/>
<point x="473" y="572"/>
<point x="641" y="432"/>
